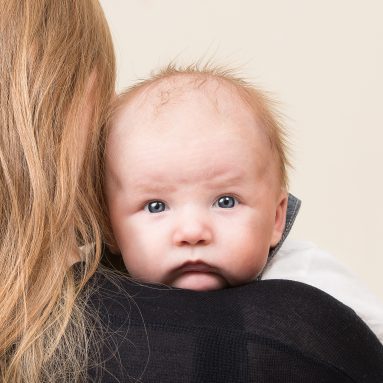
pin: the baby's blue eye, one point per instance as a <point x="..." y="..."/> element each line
<point x="155" y="206"/>
<point x="226" y="202"/>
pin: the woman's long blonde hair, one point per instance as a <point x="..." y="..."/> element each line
<point x="56" y="68"/>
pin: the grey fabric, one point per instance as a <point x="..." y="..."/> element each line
<point x="293" y="206"/>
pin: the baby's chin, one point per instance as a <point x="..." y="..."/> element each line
<point x="200" y="281"/>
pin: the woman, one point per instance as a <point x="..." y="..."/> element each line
<point x="56" y="80"/>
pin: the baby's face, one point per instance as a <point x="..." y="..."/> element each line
<point x="193" y="191"/>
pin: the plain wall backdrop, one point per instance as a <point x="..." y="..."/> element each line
<point x="323" y="61"/>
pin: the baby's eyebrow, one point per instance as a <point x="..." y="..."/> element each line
<point x="152" y="187"/>
<point x="224" y="179"/>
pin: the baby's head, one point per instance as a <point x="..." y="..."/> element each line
<point x="195" y="180"/>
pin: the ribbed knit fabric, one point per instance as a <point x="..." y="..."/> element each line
<point x="265" y="331"/>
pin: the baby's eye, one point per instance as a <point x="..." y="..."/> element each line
<point x="155" y="206"/>
<point x="226" y="202"/>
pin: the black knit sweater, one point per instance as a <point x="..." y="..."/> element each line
<point x="265" y="331"/>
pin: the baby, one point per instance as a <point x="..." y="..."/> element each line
<point x="195" y="181"/>
<point x="196" y="188"/>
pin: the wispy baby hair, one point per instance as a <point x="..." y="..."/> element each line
<point x="262" y="104"/>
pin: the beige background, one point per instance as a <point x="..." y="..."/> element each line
<point x="323" y="60"/>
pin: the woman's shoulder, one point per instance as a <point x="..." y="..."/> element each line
<point x="160" y="331"/>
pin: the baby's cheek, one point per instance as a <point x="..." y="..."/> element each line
<point x="144" y="251"/>
<point x="248" y="257"/>
<point x="138" y="265"/>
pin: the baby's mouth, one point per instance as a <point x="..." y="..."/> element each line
<point x="197" y="275"/>
<point x="190" y="267"/>
<point x="195" y="267"/>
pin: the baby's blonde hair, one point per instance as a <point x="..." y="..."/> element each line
<point x="263" y="106"/>
<point x="57" y="59"/>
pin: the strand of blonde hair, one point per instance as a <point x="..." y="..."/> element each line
<point x="49" y="181"/>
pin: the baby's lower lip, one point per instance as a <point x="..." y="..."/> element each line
<point x="199" y="281"/>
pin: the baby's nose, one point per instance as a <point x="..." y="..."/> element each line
<point x="193" y="230"/>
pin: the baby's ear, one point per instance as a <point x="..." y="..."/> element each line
<point x="280" y="219"/>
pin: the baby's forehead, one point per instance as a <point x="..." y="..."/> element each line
<point x="177" y="107"/>
<point x="161" y="95"/>
<point x="204" y="113"/>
